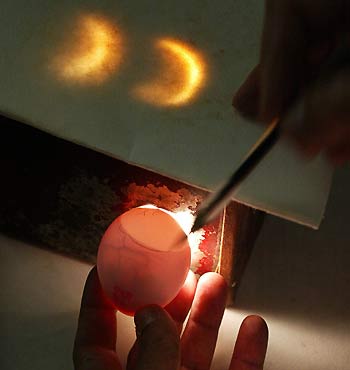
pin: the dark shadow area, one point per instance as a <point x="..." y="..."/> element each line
<point x="300" y="274"/>
<point x="42" y="342"/>
<point x="63" y="196"/>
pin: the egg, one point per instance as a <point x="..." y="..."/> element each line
<point x="140" y="260"/>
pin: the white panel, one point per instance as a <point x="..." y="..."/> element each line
<point x="200" y="142"/>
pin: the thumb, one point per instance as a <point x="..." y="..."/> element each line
<point x="158" y="341"/>
<point x="320" y="120"/>
<point x="247" y="98"/>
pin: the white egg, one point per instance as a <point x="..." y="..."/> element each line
<point x="140" y="261"/>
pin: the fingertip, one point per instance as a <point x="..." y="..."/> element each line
<point x="251" y="343"/>
<point x="211" y="275"/>
<point x="97" y="320"/>
<point x="145" y="316"/>
<point x="214" y="280"/>
<point x="152" y="314"/>
<point x="211" y="295"/>
<point x="92" y="283"/>
<point x="92" y="275"/>
<point x="187" y="291"/>
<point x="191" y="281"/>
<point x="179" y="307"/>
<point x="93" y="294"/>
<point x="254" y="324"/>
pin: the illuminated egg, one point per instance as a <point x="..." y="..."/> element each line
<point x="140" y="260"/>
<point x="91" y="53"/>
<point x="180" y="79"/>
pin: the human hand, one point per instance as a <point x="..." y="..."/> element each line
<point x="158" y="344"/>
<point x="298" y="37"/>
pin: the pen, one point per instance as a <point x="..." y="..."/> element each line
<point x="214" y="204"/>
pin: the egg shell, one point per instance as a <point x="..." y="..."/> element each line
<point x="139" y="260"/>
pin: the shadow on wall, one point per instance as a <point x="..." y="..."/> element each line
<point x="41" y="342"/>
<point x="46" y="341"/>
<point x="302" y="274"/>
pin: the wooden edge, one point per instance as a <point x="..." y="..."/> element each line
<point x="241" y="228"/>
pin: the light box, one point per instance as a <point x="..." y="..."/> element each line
<point x="65" y="199"/>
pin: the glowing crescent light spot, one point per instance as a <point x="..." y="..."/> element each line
<point x="92" y="54"/>
<point x="180" y="79"/>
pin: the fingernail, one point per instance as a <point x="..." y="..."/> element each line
<point x="144" y="317"/>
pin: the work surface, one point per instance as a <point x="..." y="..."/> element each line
<point x="298" y="279"/>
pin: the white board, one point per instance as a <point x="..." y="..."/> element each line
<point x="200" y="141"/>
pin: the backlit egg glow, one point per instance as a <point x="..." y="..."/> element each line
<point x="181" y="78"/>
<point x="91" y="53"/>
<point x="140" y="261"/>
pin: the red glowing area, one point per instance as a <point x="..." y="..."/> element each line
<point x="139" y="261"/>
<point x="180" y="79"/>
<point x="92" y="53"/>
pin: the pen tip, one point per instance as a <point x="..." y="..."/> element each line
<point x="197" y="224"/>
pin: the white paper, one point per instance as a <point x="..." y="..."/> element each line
<point x="200" y="143"/>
